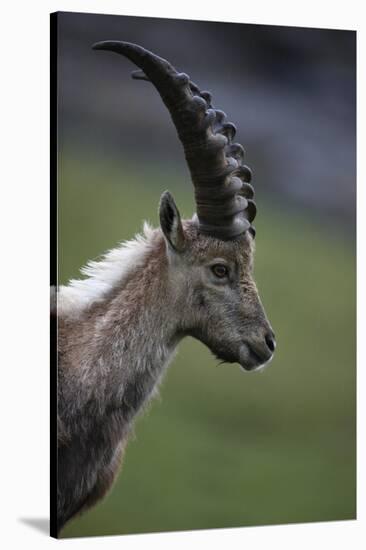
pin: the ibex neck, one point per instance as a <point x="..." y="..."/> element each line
<point x="131" y="336"/>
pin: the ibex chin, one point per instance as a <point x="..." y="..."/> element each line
<point x="118" y="327"/>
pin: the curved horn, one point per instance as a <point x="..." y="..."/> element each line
<point x="223" y="195"/>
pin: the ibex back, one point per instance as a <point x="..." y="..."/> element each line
<point x="118" y="328"/>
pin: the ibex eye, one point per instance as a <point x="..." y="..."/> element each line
<point x="220" y="270"/>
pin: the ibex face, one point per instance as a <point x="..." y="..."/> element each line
<point x="211" y="256"/>
<point x="216" y="295"/>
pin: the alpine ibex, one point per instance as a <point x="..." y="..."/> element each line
<point x="118" y="328"/>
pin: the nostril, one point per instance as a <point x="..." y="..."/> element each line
<point x="271" y="342"/>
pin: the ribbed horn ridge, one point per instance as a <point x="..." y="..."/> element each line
<point x="224" y="197"/>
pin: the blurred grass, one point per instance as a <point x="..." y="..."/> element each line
<point x="222" y="448"/>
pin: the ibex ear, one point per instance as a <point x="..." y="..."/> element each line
<point x="170" y="222"/>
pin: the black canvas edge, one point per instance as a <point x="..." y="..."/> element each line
<point x="195" y="20"/>
<point x="53" y="270"/>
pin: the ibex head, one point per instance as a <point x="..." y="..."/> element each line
<point x="211" y="256"/>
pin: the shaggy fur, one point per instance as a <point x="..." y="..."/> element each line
<point x="102" y="276"/>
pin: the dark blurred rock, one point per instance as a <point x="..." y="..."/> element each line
<point x="290" y="91"/>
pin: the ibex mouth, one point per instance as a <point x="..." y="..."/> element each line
<point x="254" y="359"/>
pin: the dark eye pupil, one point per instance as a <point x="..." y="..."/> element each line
<point x="220" y="270"/>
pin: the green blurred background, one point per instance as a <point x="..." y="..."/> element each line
<point x="224" y="448"/>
